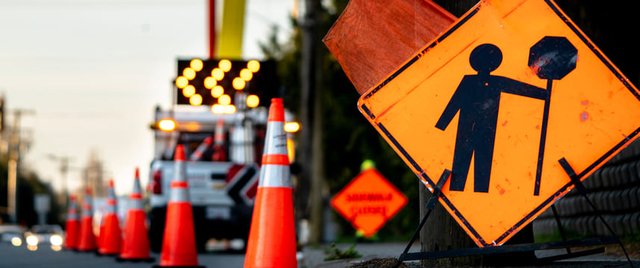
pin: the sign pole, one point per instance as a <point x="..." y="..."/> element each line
<point x="543" y="138"/>
<point x="551" y="58"/>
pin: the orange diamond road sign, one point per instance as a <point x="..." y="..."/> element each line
<point x="499" y="98"/>
<point x="368" y="201"/>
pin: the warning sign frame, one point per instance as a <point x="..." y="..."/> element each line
<point x="420" y="170"/>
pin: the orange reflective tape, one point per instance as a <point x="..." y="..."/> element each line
<point x="136" y="196"/>
<point x="179" y="184"/>
<point x="275" y="159"/>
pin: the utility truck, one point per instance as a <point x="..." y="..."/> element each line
<point x="219" y="113"/>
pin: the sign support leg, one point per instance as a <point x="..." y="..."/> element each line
<point x="583" y="192"/>
<point x="560" y="228"/>
<point x="431" y="203"/>
<point x="564" y="244"/>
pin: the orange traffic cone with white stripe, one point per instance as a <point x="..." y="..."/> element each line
<point x="219" y="152"/>
<point x="87" y="240"/>
<point x="72" y="225"/>
<point x="201" y="149"/>
<point x="135" y="246"/>
<point x="110" y="234"/>
<point x="272" y="238"/>
<point x="179" y="243"/>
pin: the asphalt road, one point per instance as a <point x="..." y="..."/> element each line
<point x="45" y="257"/>
<point x="311" y="257"/>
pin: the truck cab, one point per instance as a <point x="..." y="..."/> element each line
<point x="222" y="169"/>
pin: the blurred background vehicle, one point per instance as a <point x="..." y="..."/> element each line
<point x="12" y="233"/>
<point x="48" y="234"/>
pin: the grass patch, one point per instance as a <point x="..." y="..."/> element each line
<point x="335" y="253"/>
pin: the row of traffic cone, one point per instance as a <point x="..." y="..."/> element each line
<point x="80" y="235"/>
<point x="272" y="240"/>
<point x="178" y="249"/>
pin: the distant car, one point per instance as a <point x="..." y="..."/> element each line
<point x="12" y="233"/>
<point x="45" y="234"/>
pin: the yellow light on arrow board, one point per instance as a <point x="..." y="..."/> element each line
<point x="217" y="73"/>
<point x="238" y="83"/>
<point x="225" y="65"/>
<point x="188" y="91"/>
<point x="253" y="65"/>
<point x="196" y="64"/>
<point x="253" y="101"/>
<point x="189" y="73"/>
<point x="224" y="100"/>
<point x="246" y="75"/>
<point x="223" y="109"/>
<point x="181" y="82"/>
<point x="217" y="91"/>
<point x="195" y="100"/>
<point x="210" y="82"/>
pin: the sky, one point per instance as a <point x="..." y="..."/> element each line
<point x="93" y="71"/>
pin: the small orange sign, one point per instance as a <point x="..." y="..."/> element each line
<point x="499" y="98"/>
<point x="368" y="201"/>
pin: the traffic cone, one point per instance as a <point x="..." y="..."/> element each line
<point x="201" y="149"/>
<point x="219" y="152"/>
<point x="87" y="240"/>
<point x="110" y="233"/>
<point x="179" y="243"/>
<point x="72" y="226"/>
<point x="136" y="242"/>
<point x="272" y="238"/>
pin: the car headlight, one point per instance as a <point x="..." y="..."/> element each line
<point x="32" y="240"/>
<point x="56" y="240"/>
<point x="16" y="241"/>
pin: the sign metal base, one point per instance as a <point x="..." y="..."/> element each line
<point x="529" y="247"/>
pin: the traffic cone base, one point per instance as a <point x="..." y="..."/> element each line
<point x="179" y="266"/>
<point x="71" y="235"/>
<point x="87" y="237"/>
<point x="181" y="256"/>
<point x="282" y="253"/>
<point x="136" y="244"/>
<point x="179" y="242"/>
<point x="111" y="236"/>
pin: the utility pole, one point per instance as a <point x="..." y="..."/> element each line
<point x="14" y="161"/>
<point x="311" y="114"/>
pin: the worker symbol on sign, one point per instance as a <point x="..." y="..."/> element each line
<point x="477" y="98"/>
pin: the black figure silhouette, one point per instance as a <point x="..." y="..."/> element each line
<point x="478" y="99"/>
